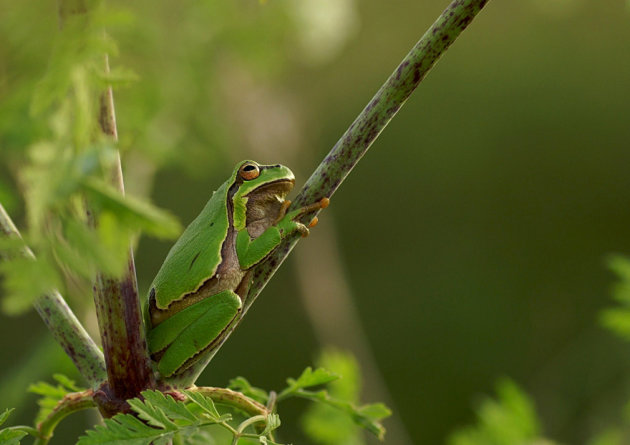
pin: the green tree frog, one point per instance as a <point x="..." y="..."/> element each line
<point x="197" y="296"/>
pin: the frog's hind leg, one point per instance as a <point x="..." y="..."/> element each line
<point x="179" y="340"/>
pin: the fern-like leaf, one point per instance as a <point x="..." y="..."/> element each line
<point x="308" y="379"/>
<point x="52" y="395"/>
<point x="366" y="416"/>
<point x="158" y="418"/>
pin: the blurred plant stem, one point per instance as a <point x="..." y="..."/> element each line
<point x="116" y="299"/>
<point x="62" y="323"/>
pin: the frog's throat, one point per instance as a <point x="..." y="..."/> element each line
<point x="280" y="188"/>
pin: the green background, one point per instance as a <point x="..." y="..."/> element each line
<point x="472" y="237"/>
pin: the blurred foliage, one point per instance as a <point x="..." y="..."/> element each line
<point x="65" y="163"/>
<point x="52" y="395"/>
<point x="615" y="435"/>
<point x="509" y="420"/>
<point x="51" y="141"/>
<point x="323" y="423"/>
<point x="338" y="397"/>
<point x="617" y="319"/>
<point x="8" y="436"/>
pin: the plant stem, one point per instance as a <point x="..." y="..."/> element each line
<point x="25" y="429"/>
<point x="116" y="299"/>
<point x="63" y="324"/>
<point x="117" y="302"/>
<point x="232" y="398"/>
<point x="261" y="418"/>
<point x="368" y="125"/>
<point x="71" y="403"/>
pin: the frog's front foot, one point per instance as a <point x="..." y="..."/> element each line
<point x="321" y="204"/>
<point x="303" y="229"/>
<point x="288" y="226"/>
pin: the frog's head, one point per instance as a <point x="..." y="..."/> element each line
<point x="258" y="201"/>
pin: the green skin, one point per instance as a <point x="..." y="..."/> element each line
<point x="197" y="296"/>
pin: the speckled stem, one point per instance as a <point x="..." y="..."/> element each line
<point x="118" y="305"/>
<point x="373" y="119"/>
<point x="234" y="399"/>
<point x="116" y="299"/>
<point x="63" y="324"/>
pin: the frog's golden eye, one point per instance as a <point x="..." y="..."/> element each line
<point x="249" y="171"/>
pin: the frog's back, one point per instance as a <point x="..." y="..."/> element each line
<point x="196" y="255"/>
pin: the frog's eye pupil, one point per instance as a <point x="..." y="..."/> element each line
<point x="249" y="172"/>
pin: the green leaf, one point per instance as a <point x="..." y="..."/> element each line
<point x="125" y="429"/>
<point x="273" y="422"/>
<point x="264" y="440"/>
<point x="67" y="383"/>
<point x="617" y="319"/>
<point x="163" y="417"/>
<point x="11" y="437"/>
<point x="153" y="415"/>
<point x="243" y="386"/>
<point x="375" y="411"/>
<point x="205" y="403"/>
<point x="11" y="247"/>
<point x="26" y="279"/>
<point x="307" y="379"/>
<point x="322" y="422"/>
<point x="509" y="420"/>
<point x="620" y="265"/>
<point x="52" y="395"/>
<point x="173" y="408"/>
<point x="132" y="212"/>
<point x="84" y="251"/>
<point x="367" y="416"/>
<point x="5" y="415"/>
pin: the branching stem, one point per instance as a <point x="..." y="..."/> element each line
<point x="62" y="323"/>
